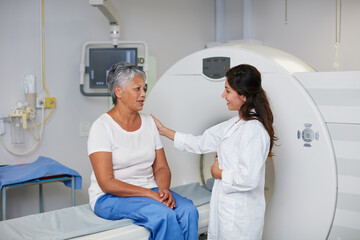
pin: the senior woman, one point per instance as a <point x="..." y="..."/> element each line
<point x="131" y="177"/>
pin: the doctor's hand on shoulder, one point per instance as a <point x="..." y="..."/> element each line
<point x="215" y="170"/>
<point x="164" y="131"/>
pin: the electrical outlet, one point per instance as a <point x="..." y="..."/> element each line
<point x="40" y="102"/>
<point x="84" y="129"/>
<point x="50" y="102"/>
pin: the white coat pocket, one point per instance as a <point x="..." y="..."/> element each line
<point x="226" y="212"/>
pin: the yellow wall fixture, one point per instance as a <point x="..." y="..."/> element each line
<point x="50" y="102"/>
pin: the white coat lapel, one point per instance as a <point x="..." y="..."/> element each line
<point x="232" y="128"/>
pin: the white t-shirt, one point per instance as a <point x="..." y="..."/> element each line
<point x="133" y="153"/>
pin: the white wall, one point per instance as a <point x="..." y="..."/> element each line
<point x="172" y="30"/>
<point x="310" y="32"/>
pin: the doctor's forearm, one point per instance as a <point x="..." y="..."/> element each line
<point x="169" y="133"/>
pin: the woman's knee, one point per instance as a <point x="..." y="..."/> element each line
<point x="163" y="210"/>
<point x="189" y="208"/>
<point x="192" y="210"/>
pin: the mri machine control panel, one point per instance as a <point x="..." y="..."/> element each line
<point x="307" y="135"/>
<point x="215" y="68"/>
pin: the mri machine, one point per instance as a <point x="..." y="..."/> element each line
<point x="313" y="180"/>
<point x="312" y="188"/>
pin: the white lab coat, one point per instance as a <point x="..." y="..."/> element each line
<point x="237" y="204"/>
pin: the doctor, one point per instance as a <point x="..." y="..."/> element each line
<point x="243" y="143"/>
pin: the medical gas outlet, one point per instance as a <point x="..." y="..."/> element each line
<point x="47" y="102"/>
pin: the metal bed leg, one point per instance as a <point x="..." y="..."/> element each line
<point x="3" y="198"/>
<point x="73" y="190"/>
<point x="41" y="198"/>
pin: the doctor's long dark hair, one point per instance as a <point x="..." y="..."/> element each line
<point x="246" y="80"/>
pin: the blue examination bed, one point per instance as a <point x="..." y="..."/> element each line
<point x="42" y="167"/>
<point x="80" y="222"/>
<point x="43" y="170"/>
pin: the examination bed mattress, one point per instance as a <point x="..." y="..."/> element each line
<point x="81" y="223"/>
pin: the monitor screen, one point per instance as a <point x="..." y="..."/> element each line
<point x="101" y="60"/>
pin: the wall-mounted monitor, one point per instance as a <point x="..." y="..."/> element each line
<point x="101" y="60"/>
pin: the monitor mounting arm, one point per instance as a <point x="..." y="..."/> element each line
<point x="112" y="14"/>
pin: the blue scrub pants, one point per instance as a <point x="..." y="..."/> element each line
<point x="163" y="222"/>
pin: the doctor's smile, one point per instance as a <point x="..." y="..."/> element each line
<point x="234" y="101"/>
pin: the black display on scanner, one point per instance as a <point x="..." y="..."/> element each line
<point x="216" y="67"/>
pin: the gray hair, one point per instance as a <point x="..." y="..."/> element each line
<point x="121" y="74"/>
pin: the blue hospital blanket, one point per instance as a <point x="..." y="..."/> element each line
<point x="42" y="167"/>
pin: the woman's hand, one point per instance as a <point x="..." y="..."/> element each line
<point x="164" y="196"/>
<point x="154" y="195"/>
<point x="215" y="170"/>
<point x="164" y="131"/>
<point x="167" y="198"/>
